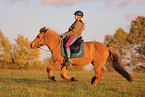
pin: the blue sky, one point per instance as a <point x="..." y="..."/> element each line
<point x="102" y="17"/>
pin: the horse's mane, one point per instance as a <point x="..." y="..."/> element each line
<point x="52" y="31"/>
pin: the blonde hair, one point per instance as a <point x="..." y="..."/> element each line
<point x="82" y="22"/>
<point x="84" y="26"/>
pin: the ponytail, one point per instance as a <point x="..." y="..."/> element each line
<point x="82" y="22"/>
<point x="84" y="26"/>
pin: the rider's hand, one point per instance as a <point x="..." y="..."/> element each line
<point x="62" y="35"/>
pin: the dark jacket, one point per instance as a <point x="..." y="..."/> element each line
<point x="75" y="30"/>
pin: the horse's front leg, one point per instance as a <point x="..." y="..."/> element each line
<point x="55" y="65"/>
<point x="63" y="74"/>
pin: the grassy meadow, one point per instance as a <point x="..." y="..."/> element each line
<point x="34" y="83"/>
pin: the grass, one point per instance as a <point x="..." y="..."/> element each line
<point x="34" y="83"/>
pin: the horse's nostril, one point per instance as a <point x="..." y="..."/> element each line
<point x="30" y="45"/>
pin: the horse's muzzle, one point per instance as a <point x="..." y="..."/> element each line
<point x="30" y="45"/>
<point x="34" y="46"/>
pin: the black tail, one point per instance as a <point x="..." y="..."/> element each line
<point x="114" y="60"/>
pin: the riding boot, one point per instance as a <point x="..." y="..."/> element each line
<point x="66" y="61"/>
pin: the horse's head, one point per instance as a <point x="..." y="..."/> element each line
<point x="39" y="40"/>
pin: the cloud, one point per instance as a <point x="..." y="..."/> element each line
<point x="59" y="2"/>
<point x="125" y="3"/>
<point x="122" y="3"/>
<point x="15" y="1"/>
<point x="106" y="3"/>
<point x="140" y="2"/>
<point x="109" y="3"/>
<point x="27" y="2"/>
<point x="50" y="2"/>
<point x="64" y="2"/>
<point x="132" y="16"/>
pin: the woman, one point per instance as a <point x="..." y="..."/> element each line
<point x="74" y="32"/>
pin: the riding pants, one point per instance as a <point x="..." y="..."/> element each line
<point x="69" y="42"/>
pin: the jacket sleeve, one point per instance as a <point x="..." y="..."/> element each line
<point x="76" y="30"/>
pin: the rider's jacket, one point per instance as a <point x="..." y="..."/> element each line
<point x="75" y="30"/>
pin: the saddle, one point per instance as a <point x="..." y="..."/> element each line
<point x="77" y="48"/>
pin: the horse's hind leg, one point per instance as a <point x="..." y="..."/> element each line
<point x="63" y="74"/>
<point x="55" y="65"/>
<point x="99" y="70"/>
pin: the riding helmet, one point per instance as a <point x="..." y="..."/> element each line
<point x="79" y="13"/>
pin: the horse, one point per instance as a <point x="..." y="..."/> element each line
<point x="94" y="52"/>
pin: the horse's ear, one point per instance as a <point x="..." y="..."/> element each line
<point x="43" y="29"/>
<point x="47" y="29"/>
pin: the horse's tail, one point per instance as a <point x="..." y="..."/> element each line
<point x="114" y="60"/>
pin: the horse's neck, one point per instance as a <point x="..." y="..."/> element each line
<point x="52" y="39"/>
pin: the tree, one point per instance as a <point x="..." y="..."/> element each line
<point x="136" y="38"/>
<point x="19" y="55"/>
<point x="131" y="46"/>
<point x="23" y="56"/>
<point x="118" y="42"/>
<point x="5" y="50"/>
<point x="76" y="68"/>
<point x="46" y="62"/>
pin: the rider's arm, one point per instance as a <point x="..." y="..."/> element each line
<point x="76" y="31"/>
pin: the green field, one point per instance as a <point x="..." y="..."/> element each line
<point x="34" y="83"/>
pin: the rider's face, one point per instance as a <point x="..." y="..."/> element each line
<point x="77" y="17"/>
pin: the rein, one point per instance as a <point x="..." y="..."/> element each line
<point x="45" y="42"/>
<point x="43" y="49"/>
<point x="58" y="43"/>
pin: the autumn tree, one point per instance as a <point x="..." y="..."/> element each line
<point x="5" y="50"/>
<point x="118" y="41"/>
<point x="46" y="62"/>
<point x="23" y="56"/>
<point x="136" y="38"/>
<point x="131" y="46"/>
<point x="76" y="68"/>
<point x="19" y="55"/>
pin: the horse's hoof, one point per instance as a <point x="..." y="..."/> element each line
<point x="53" y="78"/>
<point x="93" y="79"/>
<point x="73" y="79"/>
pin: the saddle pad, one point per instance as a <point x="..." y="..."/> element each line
<point x="80" y="53"/>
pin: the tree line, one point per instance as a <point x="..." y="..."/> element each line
<point x="130" y="45"/>
<point x="18" y="55"/>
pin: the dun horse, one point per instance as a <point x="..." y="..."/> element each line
<point x="94" y="52"/>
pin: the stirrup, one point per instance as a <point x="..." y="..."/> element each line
<point x="66" y="62"/>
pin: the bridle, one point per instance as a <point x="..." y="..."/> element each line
<point x="45" y="42"/>
<point x="41" y="38"/>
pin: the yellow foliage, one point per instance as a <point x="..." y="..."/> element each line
<point x="19" y="55"/>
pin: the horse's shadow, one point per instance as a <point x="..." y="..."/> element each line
<point x="33" y="81"/>
<point x="25" y="80"/>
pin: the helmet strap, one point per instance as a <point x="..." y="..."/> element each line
<point x="79" y="18"/>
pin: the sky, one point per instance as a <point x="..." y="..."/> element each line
<point x="102" y="17"/>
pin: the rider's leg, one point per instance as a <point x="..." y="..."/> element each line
<point x="69" y="42"/>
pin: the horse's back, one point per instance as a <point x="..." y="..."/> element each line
<point x="93" y="51"/>
<point x="97" y="45"/>
<point x="96" y="49"/>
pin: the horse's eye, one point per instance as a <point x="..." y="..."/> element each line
<point x="38" y="37"/>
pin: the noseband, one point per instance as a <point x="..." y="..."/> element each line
<point x="41" y="39"/>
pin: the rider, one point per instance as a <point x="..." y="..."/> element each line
<point x="74" y="32"/>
